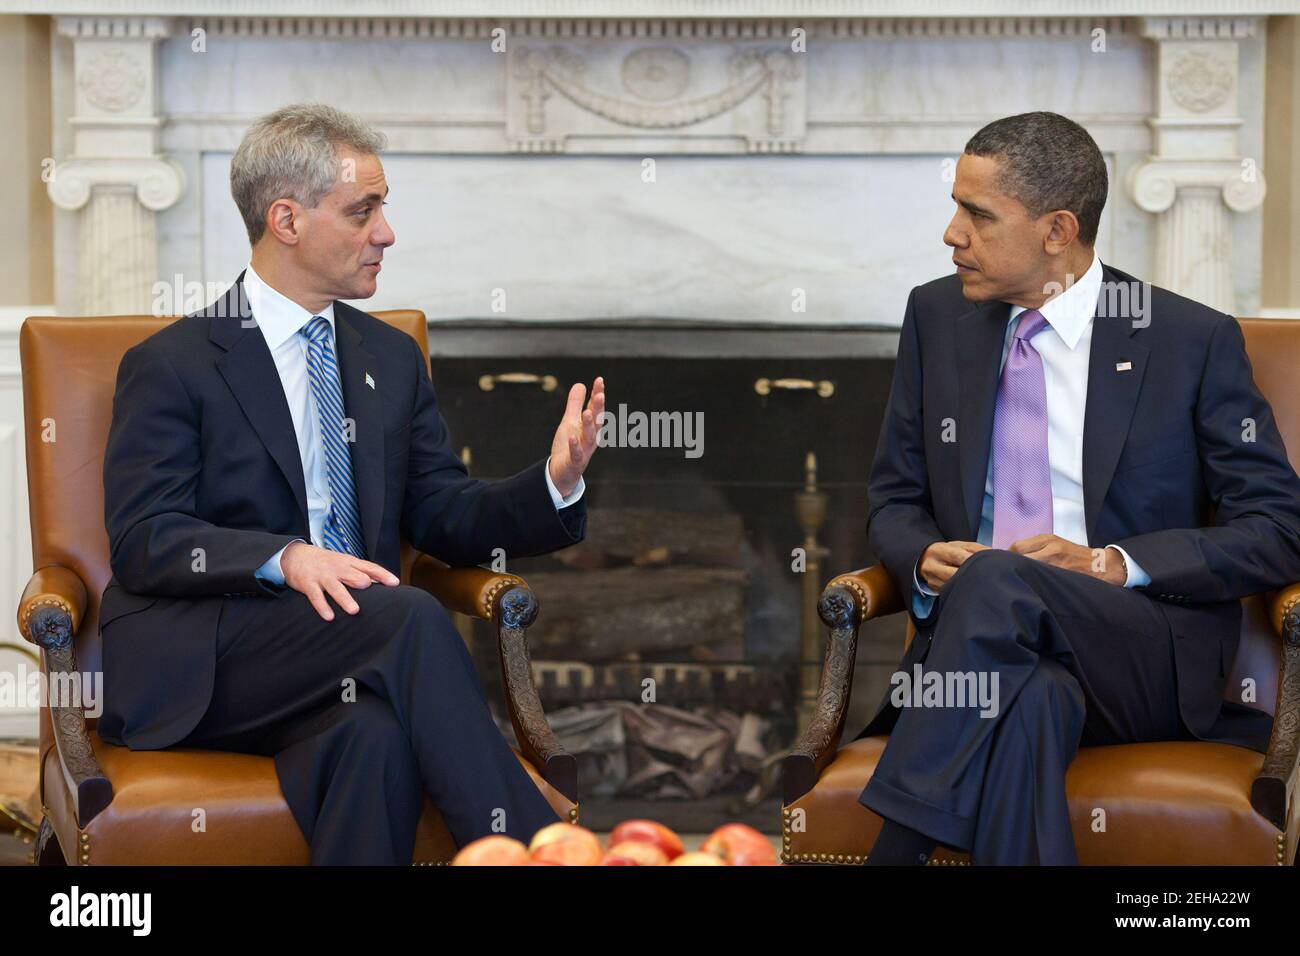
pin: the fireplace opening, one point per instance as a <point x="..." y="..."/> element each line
<point x="677" y="651"/>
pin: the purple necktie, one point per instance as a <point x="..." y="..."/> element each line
<point x="1022" y="478"/>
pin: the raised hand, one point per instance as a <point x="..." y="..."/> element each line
<point x="575" y="439"/>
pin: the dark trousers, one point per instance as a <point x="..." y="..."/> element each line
<point x="1077" y="662"/>
<point x="364" y="714"/>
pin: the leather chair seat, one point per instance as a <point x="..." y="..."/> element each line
<point x="140" y="804"/>
<point x="155" y="794"/>
<point x="1164" y="804"/>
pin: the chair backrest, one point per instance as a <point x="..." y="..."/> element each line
<point x="1273" y="346"/>
<point x="69" y="372"/>
<point x="1274" y="349"/>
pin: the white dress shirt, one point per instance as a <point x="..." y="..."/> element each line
<point x="281" y="319"/>
<point x="1065" y="346"/>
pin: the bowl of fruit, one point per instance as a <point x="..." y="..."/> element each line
<point x="631" y="843"/>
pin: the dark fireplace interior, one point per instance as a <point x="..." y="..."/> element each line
<point x="670" y="651"/>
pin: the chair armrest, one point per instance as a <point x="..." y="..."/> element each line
<point x="50" y="611"/>
<point x="1275" y="785"/>
<point x="874" y="590"/>
<point x="52" y="587"/>
<point x="1282" y="604"/>
<point x="847" y="601"/>
<point x="508" y="602"/>
<point x="473" y="592"/>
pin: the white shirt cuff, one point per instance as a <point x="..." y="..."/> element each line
<point x="923" y="596"/>
<point x="558" y="499"/>
<point x="921" y="585"/>
<point x="271" y="570"/>
<point x="1135" y="577"/>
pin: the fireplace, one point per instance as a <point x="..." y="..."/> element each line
<point x="672" y="652"/>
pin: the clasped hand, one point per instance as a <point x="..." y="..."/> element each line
<point x="940" y="561"/>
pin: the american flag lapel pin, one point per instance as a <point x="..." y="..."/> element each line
<point x="1119" y="367"/>
<point x="370" y="381"/>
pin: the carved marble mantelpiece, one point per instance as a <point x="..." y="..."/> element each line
<point x="712" y="159"/>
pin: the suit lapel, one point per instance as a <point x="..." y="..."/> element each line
<point x="979" y="336"/>
<point x="250" y="371"/>
<point x="362" y="404"/>
<point x="1112" y="399"/>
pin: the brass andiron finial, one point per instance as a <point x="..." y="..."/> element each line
<point x="810" y="509"/>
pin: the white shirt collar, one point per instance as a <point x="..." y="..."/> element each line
<point x="278" y="316"/>
<point x="1070" y="312"/>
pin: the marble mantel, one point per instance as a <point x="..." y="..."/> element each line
<point x="776" y="160"/>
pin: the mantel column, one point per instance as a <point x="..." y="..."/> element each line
<point x="116" y="176"/>
<point x="1196" y="178"/>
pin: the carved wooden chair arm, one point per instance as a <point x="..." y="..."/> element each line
<point x="508" y="602"/>
<point x="55" y="587"/>
<point x="874" y="590"/>
<point x="50" y="611"/>
<point x="846" y="602"/>
<point x="1269" y="792"/>
<point x="470" y="591"/>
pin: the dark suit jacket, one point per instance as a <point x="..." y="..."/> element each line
<point x="1167" y="476"/>
<point x="202" y="454"/>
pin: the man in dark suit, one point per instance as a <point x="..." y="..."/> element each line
<point x="1057" y="437"/>
<point x="265" y="458"/>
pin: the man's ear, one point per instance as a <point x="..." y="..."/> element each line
<point x="283" y="221"/>
<point x="1063" y="230"/>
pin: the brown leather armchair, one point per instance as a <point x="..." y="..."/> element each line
<point x="1171" y="803"/>
<point x="107" y="805"/>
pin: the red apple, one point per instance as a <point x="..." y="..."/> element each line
<point x="740" y="845"/>
<point x="566" y="844"/>
<point x="648" y="831"/>
<point x="496" y="850"/>
<point x="642" y="854"/>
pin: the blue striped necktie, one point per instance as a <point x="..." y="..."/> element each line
<point x="342" y="525"/>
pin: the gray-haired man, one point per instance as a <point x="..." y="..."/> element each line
<point x="267" y="456"/>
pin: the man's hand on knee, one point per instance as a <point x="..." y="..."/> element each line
<point x="1104" y="563"/>
<point x="315" y="572"/>
<point x="941" y="560"/>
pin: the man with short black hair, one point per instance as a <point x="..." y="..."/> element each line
<point x="1057" y="435"/>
